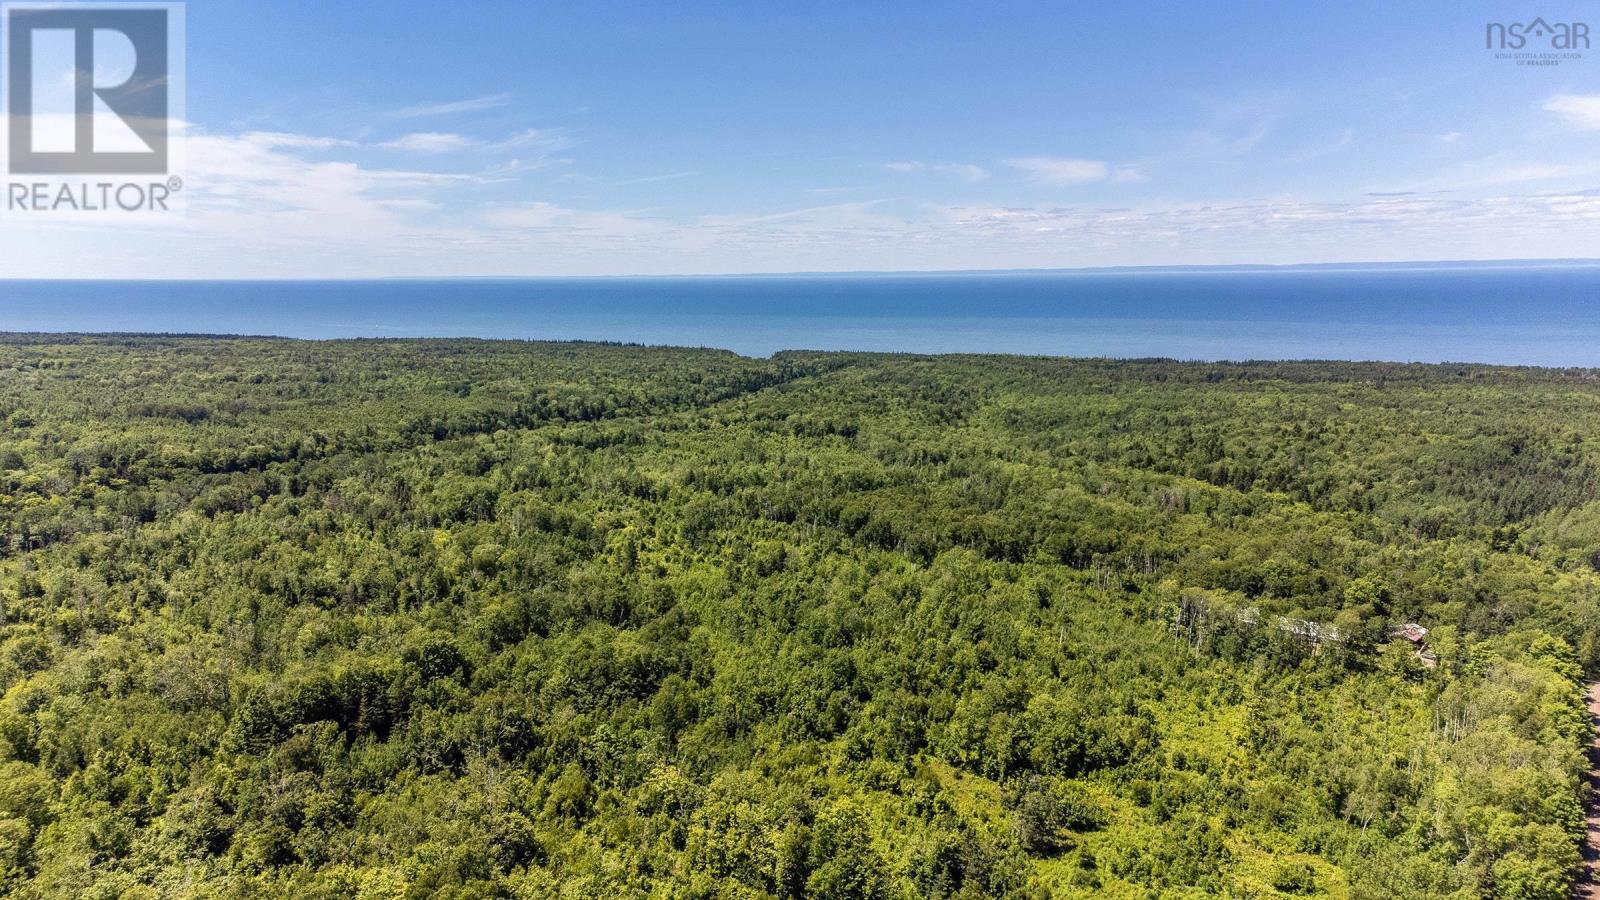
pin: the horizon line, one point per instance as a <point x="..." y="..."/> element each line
<point x="1189" y="268"/>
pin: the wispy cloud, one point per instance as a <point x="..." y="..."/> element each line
<point x="652" y="179"/>
<point x="429" y="142"/>
<point x="1057" y="170"/>
<point x="449" y="107"/>
<point x="964" y="171"/>
<point x="1227" y="141"/>
<point x="541" y="138"/>
<point x="1581" y="110"/>
<point x="544" y="140"/>
<point x="1232" y="127"/>
<point x="839" y="218"/>
<point x="286" y="141"/>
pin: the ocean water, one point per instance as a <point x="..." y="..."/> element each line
<point x="1520" y="315"/>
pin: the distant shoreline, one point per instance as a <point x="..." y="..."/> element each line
<point x="1388" y="366"/>
<point x="1194" y="269"/>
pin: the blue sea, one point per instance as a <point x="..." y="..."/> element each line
<point x="1547" y="315"/>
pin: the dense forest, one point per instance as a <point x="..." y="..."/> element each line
<point x="468" y="619"/>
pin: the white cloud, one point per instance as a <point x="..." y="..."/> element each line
<point x="262" y="195"/>
<point x="283" y="140"/>
<point x="1065" y="170"/>
<point x="474" y="104"/>
<point x="1449" y="137"/>
<point x="267" y="204"/>
<point x="541" y="138"/>
<point x="830" y="216"/>
<point x="430" y="142"/>
<point x="544" y="140"/>
<point x="1580" y="110"/>
<point x="653" y="179"/>
<point x="964" y="171"/>
<point x="263" y="186"/>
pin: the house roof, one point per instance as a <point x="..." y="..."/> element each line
<point x="1411" y="631"/>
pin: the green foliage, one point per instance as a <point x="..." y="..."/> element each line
<point x="494" y="619"/>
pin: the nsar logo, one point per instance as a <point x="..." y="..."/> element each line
<point x="1537" y="43"/>
<point x="1517" y="35"/>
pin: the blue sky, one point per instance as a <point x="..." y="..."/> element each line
<point x="488" y="138"/>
